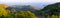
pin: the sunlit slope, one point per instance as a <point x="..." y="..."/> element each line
<point x="2" y="10"/>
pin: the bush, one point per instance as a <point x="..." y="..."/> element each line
<point x="25" y="14"/>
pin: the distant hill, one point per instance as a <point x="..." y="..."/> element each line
<point x="17" y="8"/>
<point x="25" y="7"/>
<point x="37" y="5"/>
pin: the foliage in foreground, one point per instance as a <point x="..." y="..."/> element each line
<point x="17" y="14"/>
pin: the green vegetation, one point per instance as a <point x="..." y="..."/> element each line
<point x="50" y="11"/>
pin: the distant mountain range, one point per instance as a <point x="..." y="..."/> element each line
<point x="17" y="8"/>
<point x="26" y="7"/>
<point x="37" y="5"/>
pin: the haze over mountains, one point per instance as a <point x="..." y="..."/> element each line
<point x="37" y="5"/>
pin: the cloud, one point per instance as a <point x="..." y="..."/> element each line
<point x="33" y="2"/>
<point x="21" y="1"/>
<point x="28" y="1"/>
<point x="50" y="0"/>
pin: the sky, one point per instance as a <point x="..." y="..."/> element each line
<point x="27" y="1"/>
<point x="36" y="3"/>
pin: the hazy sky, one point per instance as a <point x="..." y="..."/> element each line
<point x="27" y="1"/>
<point x="38" y="3"/>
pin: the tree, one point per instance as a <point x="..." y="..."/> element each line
<point x="25" y="14"/>
<point x="2" y="10"/>
<point x="21" y="13"/>
<point x="52" y="9"/>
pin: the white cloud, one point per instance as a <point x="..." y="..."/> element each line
<point x="13" y="2"/>
<point x="50" y="0"/>
<point x="21" y="1"/>
<point x="27" y="1"/>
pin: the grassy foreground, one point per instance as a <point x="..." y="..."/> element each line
<point x="54" y="16"/>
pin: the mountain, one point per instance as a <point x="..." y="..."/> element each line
<point x="17" y="8"/>
<point x="25" y="7"/>
<point x="37" y="5"/>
